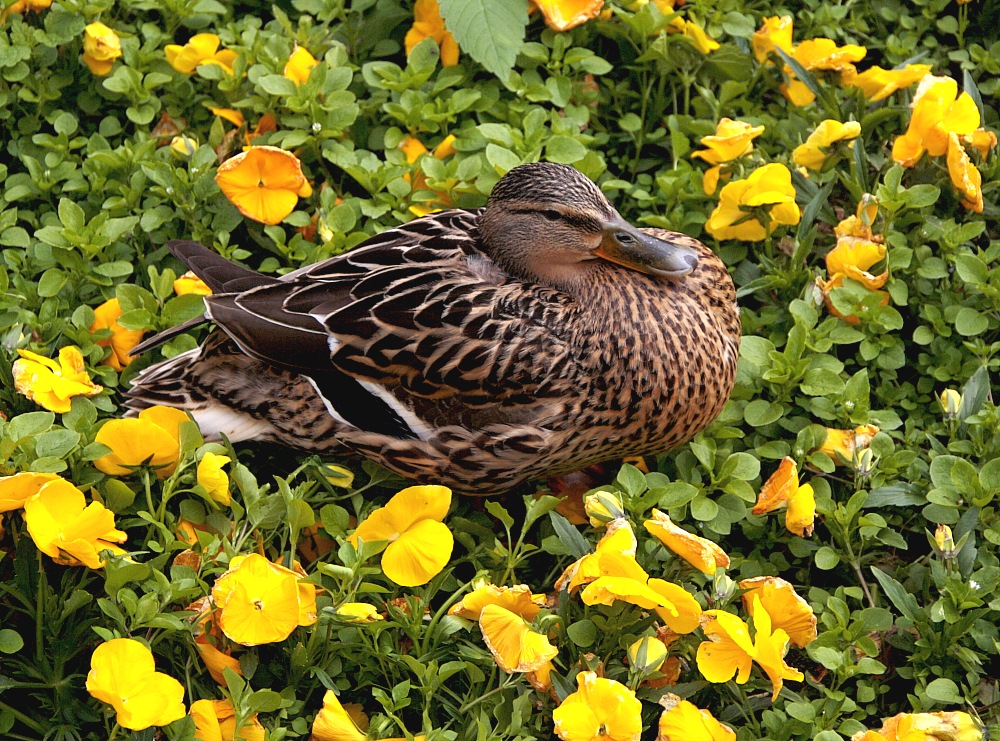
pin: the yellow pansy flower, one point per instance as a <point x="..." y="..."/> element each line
<point x="600" y="708"/>
<point x="191" y="283"/>
<point x="940" y="726"/>
<point x="782" y="489"/>
<point x="514" y="645"/>
<point x="419" y="543"/>
<point x="202" y="48"/>
<point x="17" y="489"/>
<point x="264" y="183"/>
<point x="123" y="674"/>
<point x="228" y="114"/>
<point x="614" y="555"/>
<point x="701" y="553"/>
<point x="771" y="648"/>
<point x="52" y="384"/>
<point x="728" y="650"/>
<point x="787" y="609"/>
<point x="606" y="590"/>
<point x="701" y="41"/>
<point x="68" y="529"/>
<point x="213" y="478"/>
<point x="26" y="6"/>
<point x="101" y="47"/>
<point x="683" y="613"/>
<point x="683" y="721"/>
<point x="813" y="153"/>
<point x="518" y="599"/>
<point x="818" y="55"/>
<point x="122" y="340"/>
<point x="877" y="83"/>
<point x="262" y="602"/>
<point x="853" y="256"/>
<point x="333" y="723"/>
<point x="414" y="149"/>
<point x="938" y="110"/>
<point x="841" y="444"/>
<point x="775" y="33"/>
<point x="151" y="439"/>
<point x="359" y="612"/>
<point x="767" y="194"/>
<point x="215" y="720"/>
<point x="299" y="65"/>
<point x="428" y="24"/>
<point x="732" y="140"/>
<point x="964" y="175"/>
<point x="562" y="15"/>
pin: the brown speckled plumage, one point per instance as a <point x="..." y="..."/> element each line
<point x="471" y="349"/>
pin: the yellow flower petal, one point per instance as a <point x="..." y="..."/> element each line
<point x="767" y="193"/>
<point x="152" y="438"/>
<point x="122" y="340"/>
<point x="518" y="599"/>
<point x="17" y="489"/>
<point x="786" y="609"/>
<point x="513" y="644"/>
<point x="191" y="283"/>
<point x="813" y="153"/>
<point x="52" y="385"/>
<point x="841" y="444"/>
<point x="606" y="590"/>
<point x="779" y="488"/>
<point x="729" y="649"/>
<point x="264" y="183"/>
<point x="877" y="83"/>
<point x="428" y="24"/>
<point x="202" y="48"/>
<point x="418" y="554"/>
<point x="359" y="612"/>
<point x="258" y="601"/>
<point x="701" y="553"/>
<point x="732" y="139"/>
<point x="213" y="478"/>
<point x="771" y="648"/>
<point x="688" y="611"/>
<point x="562" y="15"/>
<point x="683" y="721"/>
<point x="600" y="709"/>
<point x="101" y="47"/>
<point x="332" y="723"/>
<point x="776" y="33"/>
<point x="299" y="65"/>
<point x="966" y="178"/>
<point x="228" y="114"/>
<point x="216" y="660"/>
<point x="801" y="512"/>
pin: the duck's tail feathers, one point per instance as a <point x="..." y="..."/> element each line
<point x="221" y="275"/>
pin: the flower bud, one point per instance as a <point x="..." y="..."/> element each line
<point x="868" y="209"/>
<point x="602" y="507"/>
<point x="723" y="588"/>
<point x="865" y="462"/>
<point x="183" y="147"/>
<point x="951" y="402"/>
<point x="647" y="655"/>
<point x="944" y="541"/>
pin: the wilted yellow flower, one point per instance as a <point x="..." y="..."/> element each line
<point x="229" y="114"/>
<point x="26" y="6"/>
<point x="562" y="15"/>
<point x="151" y="439"/>
<point x="787" y="609"/>
<point x="215" y="720"/>
<point x="938" y="110"/>
<point x="264" y="183"/>
<point x="599" y="709"/>
<point x="981" y="140"/>
<point x="202" y="48"/>
<point x="514" y="645"/>
<point x="262" y="602"/>
<point x="813" y="153"/>
<point x="101" y="47"/>
<point x="68" y="529"/>
<point x="782" y="489"/>
<point x="213" y="478"/>
<point x="299" y="65"/>
<point x="518" y="599"/>
<point x="647" y="654"/>
<point x="776" y="33"/>
<point x="359" y="612"/>
<point x="683" y="721"/>
<point x="877" y="83"/>
<point x="333" y="723"/>
<point x="122" y="340"/>
<point x="951" y="403"/>
<point x="701" y="553"/>
<point x="419" y="543"/>
<point x="50" y="384"/>
<point x="841" y="444"/>
<point x="853" y="256"/>
<point x="965" y="176"/>
<point x="940" y="726"/>
<point x="215" y="659"/>
<point x="753" y="208"/>
<point x="17" y="489"/>
<point x="191" y="283"/>
<point x="123" y="674"/>
<point x="428" y="24"/>
<point x="682" y="614"/>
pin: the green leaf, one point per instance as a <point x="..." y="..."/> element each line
<point x="903" y="601"/>
<point x="945" y="691"/>
<point x="490" y="31"/>
<point x="827" y="559"/>
<point x="277" y="85"/>
<point x="564" y="150"/>
<point x="10" y="641"/>
<point x="497" y="510"/>
<point x="583" y="633"/>
<point x="570" y="537"/>
<point x="970" y="322"/>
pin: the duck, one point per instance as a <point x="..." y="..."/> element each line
<point x="475" y="349"/>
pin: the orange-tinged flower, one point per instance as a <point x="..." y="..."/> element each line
<point x="215" y="720"/>
<point x="940" y="726"/>
<point x="202" y="48"/>
<point x="562" y="15"/>
<point x="938" y="110"/>
<point x="771" y="648"/>
<point x="262" y="602"/>
<point x="419" y="543"/>
<point x="601" y="709"/>
<point x="776" y="33"/>
<point x="299" y="65"/>
<point x="965" y="176"/>
<point x="359" y="612"/>
<point x="813" y="153"/>
<point x="701" y="553"/>
<point x="68" y="529"/>
<point x="191" y="283"/>
<point x="229" y="114"/>
<point x="414" y="149"/>
<point x="766" y="195"/>
<point x="853" y="256"/>
<point x="841" y="444"/>
<point x="877" y="83"/>
<point x="782" y="489"/>
<point x="101" y="47"/>
<point x="514" y="645"/>
<point x="787" y="610"/>
<point x="264" y="183"/>
<point x="123" y="674"/>
<point x="213" y="478"/>
<point x="333" y="723"/>
<point x="683" y="721"/>
<point x="151" y="439"/>
<point x="17" y="489"/>
<point x="428" y="24"/>
<point x="731" y="140"/>
<point x="683" y="614"/>
<point x="121" y="341"/>
<point x="518" y="599"/>
<point x="215" y="659"/>
<point x="52" y="384"/>
<point x="729" y="649"/>
<point x="801" y="513"/>
<point x="27" y="6"/>
<point x="981" y="140"/>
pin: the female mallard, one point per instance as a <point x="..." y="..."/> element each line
<point x="474" y="349"/>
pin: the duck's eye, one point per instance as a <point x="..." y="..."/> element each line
<point x="552" y="215"/>
<point x="625" y="238"/>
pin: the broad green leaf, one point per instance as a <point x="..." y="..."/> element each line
<point x="489" y="31"/>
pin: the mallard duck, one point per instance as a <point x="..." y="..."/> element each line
<point x="474" y="349"/>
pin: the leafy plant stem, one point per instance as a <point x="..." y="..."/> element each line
<point x="26" y="719"/>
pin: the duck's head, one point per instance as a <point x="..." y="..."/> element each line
<point x="550" y="224"/>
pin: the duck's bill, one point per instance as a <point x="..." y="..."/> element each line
<point x="625" y="245"/>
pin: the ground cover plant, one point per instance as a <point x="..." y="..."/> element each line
<point x="822" y="563"/>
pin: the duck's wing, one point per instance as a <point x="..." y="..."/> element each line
<point x="417" y="313"/>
